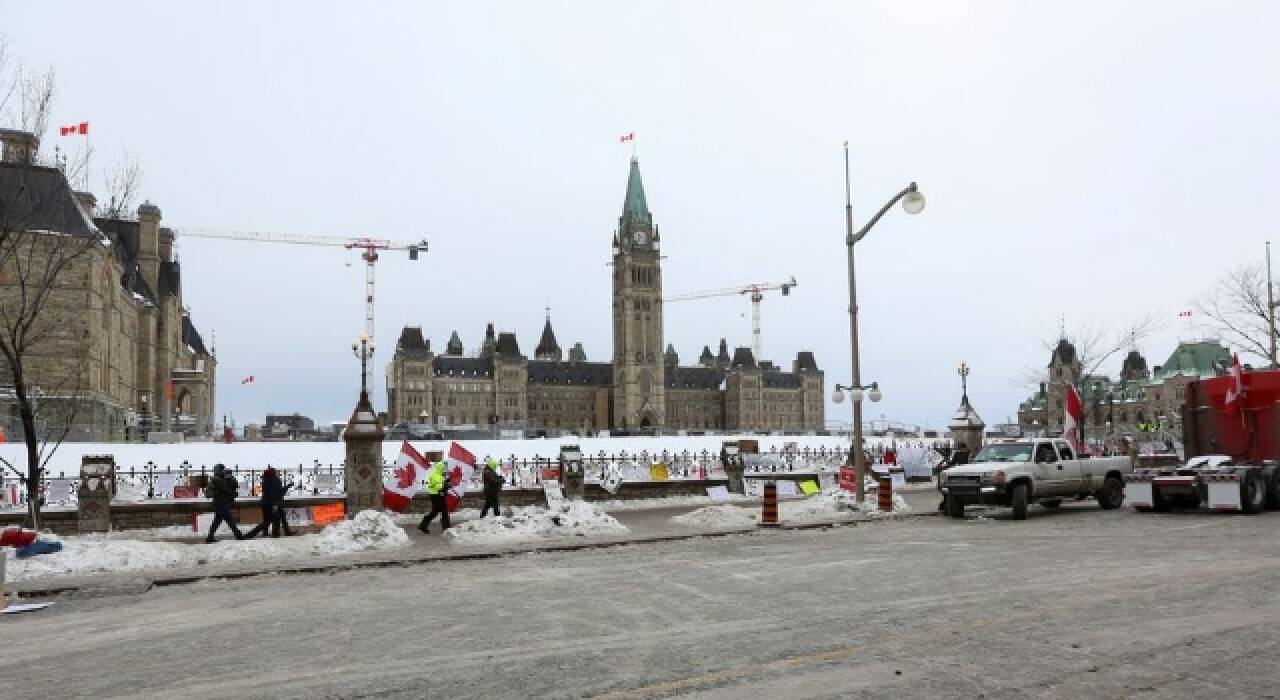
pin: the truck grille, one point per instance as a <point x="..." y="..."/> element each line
<point x="963" y="484"/>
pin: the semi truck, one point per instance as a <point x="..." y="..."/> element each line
<point x="1231" y="440"/>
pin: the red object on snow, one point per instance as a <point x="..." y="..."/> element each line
<point x="16" y="537"/>
<point x="81" y="128"/>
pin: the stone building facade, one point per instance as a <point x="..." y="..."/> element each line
<point x="1140" y="401"/>
<point x="122" y="356"/>
<point x="643" y="388"/>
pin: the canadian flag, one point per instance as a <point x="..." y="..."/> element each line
<point x="459" y="466"/>
<point x="1235" y="392"/>
<point x="81" y="128"/>
<point x="629" y="136"/>
<point x="247" y="380"/>
<point x="406" y="479"/>
<point x="1071" y="421"/>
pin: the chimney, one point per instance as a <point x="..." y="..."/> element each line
<point x="19" y="146"/>
<point x="88" y="202"/>
<point x="166" y="244"/>
<point x="149" y="243"/>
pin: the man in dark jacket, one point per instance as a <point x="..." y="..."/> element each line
<point x="493" y="482"/>
<point x="272" y="505"/>
<point x="222" y="489"/>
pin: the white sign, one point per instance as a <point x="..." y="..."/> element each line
<point x="753" y="487"/>
<point x="612" y="482"/>
<point x="297" y="517"/>
<point x="164" y="484"/>
<point x="898" y="479"/>
<point x="827" y="482"/>
<point x="551" y="488"/>
<point x="718" y="493"/>
<point x="787" y="488"/>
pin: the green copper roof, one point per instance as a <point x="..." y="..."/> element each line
<point x="634" y="207"/>
<point x="1199" y="359"/>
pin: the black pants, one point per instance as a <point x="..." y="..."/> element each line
<point x="222" y="514"/>
<point x="491" y="501"/>
<point x="439" y="506"/>
<point x="274" y="518"/>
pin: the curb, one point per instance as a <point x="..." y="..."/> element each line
<point x="143" y="584"/>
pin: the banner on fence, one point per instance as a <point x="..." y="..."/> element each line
<point x="165" y="484"/>
<point x="827" y="482"/>
<point x="787" y="488"/>
<point x="658" y="471"/>
<point x="612" y="481"/>
<point x="753" y="487"/>
<point x="297" y="517"/>
<point x="849" y="478"/>
<point x="810" y="488"/>
<point x="898" y="478"/>
<point x="185" y="491"/>
<point x="718" y="493"/>
<point x="551" y="489"/>
<point x="57" y="490"/>
<point x="329" y="513"/>
<point x="551" y="473"/>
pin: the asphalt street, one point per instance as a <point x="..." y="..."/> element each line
<point x="1074" y="603"/>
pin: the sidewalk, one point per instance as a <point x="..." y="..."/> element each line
<point x="644" y="525"/>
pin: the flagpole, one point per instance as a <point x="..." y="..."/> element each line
<point x="1271" y="309"/>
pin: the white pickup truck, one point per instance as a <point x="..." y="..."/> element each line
<point x="1016" y="473"/>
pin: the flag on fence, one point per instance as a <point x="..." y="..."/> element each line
<point x="1236" y="391"/>
<point x="406" y="479"/>
<point x="1072" y="418"/>
<point x="73" y="129"/>
<point x="459" y="466"/>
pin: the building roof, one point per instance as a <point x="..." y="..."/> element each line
<point x="507" y="346"/>
<point x="454" y="347"/>
<point x="547" y="345"/>
<point x="774" y="379"/>
<point x="37" y="198"/>
<point x="742" y="357"/>
<point x="577" y="353"/>
<point x="723" y="356"/>
<point x="634" y="207"/>
<point x="706" y="358"/>
<point x="192" y="338"/>
<point x="575" y="374"/>
<point x="1064" y="353"/>
<point x="1195" y="359"/>
<point x="170" y="278"/>
<point x="412" y="344"/>
<point x="453" y="366"/>
<point x="694" y="377"/>
<point x="805" y="361"/>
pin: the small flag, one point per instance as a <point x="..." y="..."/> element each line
<point x="1184" y="314"/>
<point x="406" y="479"/>
<point x="1235" y="392"/>
<point x="247" y="380"/>
<point x="73" y="129"/>
<point x="629" y="136"/>
<point x="1072" y="419"/>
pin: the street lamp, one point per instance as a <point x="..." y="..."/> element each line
<point x="912" y="203"/>
<point x="363" y="349"/>
<point x="855" y="392"/>
<point x="963" y="371"/>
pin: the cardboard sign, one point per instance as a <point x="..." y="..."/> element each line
<point x="658" y="472"/>
<point x="329" y="513"/>
<point x="57" y="490"/>
<point x="551" y="474"/>
<point x="718" y="493"/>
<point x="297" y="517"/>
<point x="787" y="488"/>
<point x="612" y="482"/>
<point x="898" y="479"/>
<point x="753" y="487"/>
<point x="848" y="478"/>
<point x="165" y="484"/>
<point x="810" y="488"/>
<point x="551" y="489"/>
<point x="326" y="482"/>
<point x="185" y="491"/>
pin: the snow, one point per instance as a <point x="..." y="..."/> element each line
<point x="717" y="517"/>
<point x="827" y="506"/>
<point x="529" y="523"/>
<point x="94" y="554"/>
<point x="668" y="502"/>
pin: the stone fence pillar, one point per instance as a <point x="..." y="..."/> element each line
<point x="363" y="469"/>
<point x="97" y="486"/>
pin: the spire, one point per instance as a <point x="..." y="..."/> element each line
<point x="722" y="359"/>
<point x="670" y="357"/>
<point x="455" y="345"/>
<point x="486" y="348"/>
<point x="577" y="354"/>
<point x="548" y="348"/>
<point x="706" y="359"/>
<point x="634" y="208"/>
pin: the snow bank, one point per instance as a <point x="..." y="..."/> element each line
<point x="571" y="519"/>
<point x="717" y="517"/>
<point x="84" y="555"/>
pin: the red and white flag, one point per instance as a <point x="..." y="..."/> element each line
<point x="1072" y="419"/>
<point x="247" y="380"/>
<point x="1236" y="391"/>
<point x="629" y="136"/>
<point x="406" y="479"/>
<point x="459" y="466"/>
<point x="74" y="129"/>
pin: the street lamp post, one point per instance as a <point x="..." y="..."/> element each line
<point x="912" y="203"/>
<point x="963" y="371"/>
<point x="363" y="349"/>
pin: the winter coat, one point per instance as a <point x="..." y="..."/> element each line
<point x="272" y="489"/>
<point x="222" y="490"/>
<point x="493" y="481"/>
<point x="435" y="479"/>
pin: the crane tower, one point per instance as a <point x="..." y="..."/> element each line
<point x="754" y="291"/>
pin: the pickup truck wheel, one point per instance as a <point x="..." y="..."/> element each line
<point x="1253" y="493"/>
<point x="955" y="507"/>
<point x="1112" y="494"/>
<point x="1018" y="499"/>
<point x="1052" y="503"/>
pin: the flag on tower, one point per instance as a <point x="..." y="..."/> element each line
<point x="1072" y="418"/>
<point x="247" y="380"/>
<point x="629" y="136"/>
<point x="405" y="480"/>
<point x="74" y="129"/>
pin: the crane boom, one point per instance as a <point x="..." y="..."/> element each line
<point x="755" y="291"/>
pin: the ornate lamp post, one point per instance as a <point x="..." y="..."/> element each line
<point x="963" y="371"/>
<point x="912" y="203"/>
<point x="363" y="350"/>
<point x="859" y="458"/>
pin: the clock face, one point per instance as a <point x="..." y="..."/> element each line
<point x="640" y="237"/>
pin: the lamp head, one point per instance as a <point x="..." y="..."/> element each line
<point x="913" y="202"/>
<point x="875" y="394"/>
<point x="838" y="395"/>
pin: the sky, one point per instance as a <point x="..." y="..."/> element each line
<point x="1089" y="161"/>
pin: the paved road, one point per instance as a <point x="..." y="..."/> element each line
<point x="1077" y="603"/>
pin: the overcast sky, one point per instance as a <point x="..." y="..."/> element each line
<point x="1093" y="159"/>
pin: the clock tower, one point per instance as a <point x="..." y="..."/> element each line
<point x="639" y="381"/>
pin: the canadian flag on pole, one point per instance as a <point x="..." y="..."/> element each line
<point x="1236" y="391"/>
<point x="459" y="466"/>
<point x="1071" y="420"/>
<point x="406" y="479"/>
<point x="629" y="136"/>
<point x="73" y="129"/>
<point x="247" y="380"/>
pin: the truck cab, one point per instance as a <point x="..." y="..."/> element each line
<point x="1016" y="473"/>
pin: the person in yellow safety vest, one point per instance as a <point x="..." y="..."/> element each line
<point x="437" y="490"/>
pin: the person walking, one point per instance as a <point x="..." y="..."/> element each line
<point x="272" y="505"/>
<point x="222" y="490"/>
<point x="436" y="491"/>
<point x="493" y="482"/>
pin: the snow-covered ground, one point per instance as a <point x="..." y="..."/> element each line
<point x="826" y="506"/>
<point x="66" y="461"/>
<point x="531" y="523"/>
<point x="94" y="554"/>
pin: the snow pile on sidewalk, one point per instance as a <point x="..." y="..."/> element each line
<point x="665" y="502"/>
<point x="717" y="517"/>
<point x="84" y="555"/>
<point x="571" y="519"/>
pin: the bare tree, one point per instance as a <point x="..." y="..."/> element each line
<point x="122" y="184"/>
<point x="1237" y="308"/>
<point x="1095" y="343"/>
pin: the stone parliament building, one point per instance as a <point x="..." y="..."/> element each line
<point x="644" y="388"/>
<point x="120" y="355"/>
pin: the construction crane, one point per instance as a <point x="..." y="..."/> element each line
<point x="369" y="248"/>
<point x="754" y="291"/>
